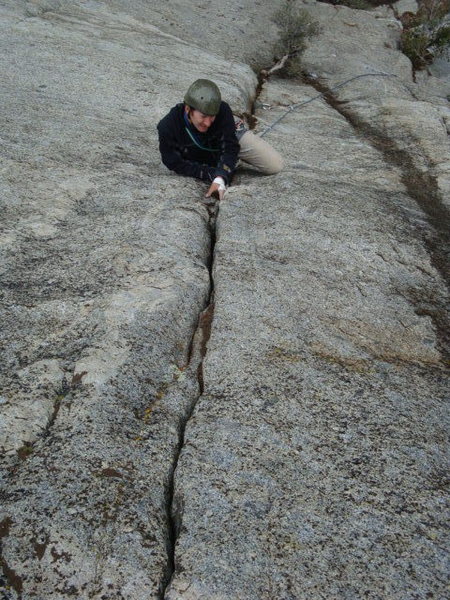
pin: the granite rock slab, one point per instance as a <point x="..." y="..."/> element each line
<point x="314" y="463"/>
<point x="220" y="402"/>
<point x="105" y="271"/>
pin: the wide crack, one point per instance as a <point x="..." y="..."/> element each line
<point x="197" y="351"/>
<point x="421" y="187"/>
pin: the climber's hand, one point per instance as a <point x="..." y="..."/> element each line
<point x="216" y="189"/>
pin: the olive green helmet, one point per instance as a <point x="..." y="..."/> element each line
<point x="204" y="95"/>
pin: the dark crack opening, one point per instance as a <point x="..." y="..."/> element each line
<point x="197" y="348"/>
<point x="10" y="578"/>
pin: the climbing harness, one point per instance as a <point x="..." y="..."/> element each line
<point x="300" y="104"/>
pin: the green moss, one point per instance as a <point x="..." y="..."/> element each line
<point x="25" y="451"/>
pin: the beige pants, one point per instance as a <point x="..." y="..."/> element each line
<point x="255" y="151"/>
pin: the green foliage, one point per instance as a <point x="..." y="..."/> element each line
<point x="296" y="26"/>
<point x="427" y="33"/>
<point x="430" y="10"/>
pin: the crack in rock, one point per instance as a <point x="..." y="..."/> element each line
<point x="423" y="189"/>
<point x="197" y="352"/>
<point x="12" y="579"/>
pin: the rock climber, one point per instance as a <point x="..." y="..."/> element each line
<point x="201" y="138"/>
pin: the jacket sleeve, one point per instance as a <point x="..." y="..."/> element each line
<point x="229" y="146"/>
<point x="173" y="159"/>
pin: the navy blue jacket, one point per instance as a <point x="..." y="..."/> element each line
<point x="204" y="155"/>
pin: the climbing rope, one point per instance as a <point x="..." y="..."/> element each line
<point x="321" y="95"/>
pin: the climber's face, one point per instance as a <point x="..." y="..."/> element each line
<point x="200" y="121"/>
